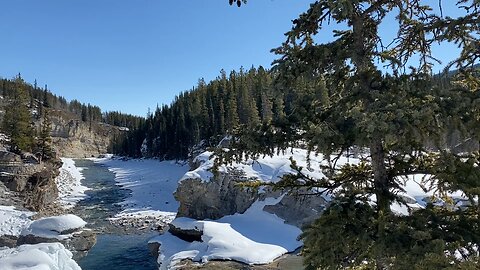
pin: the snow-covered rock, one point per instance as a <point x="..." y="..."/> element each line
<point x="55" y="227"/>
<point x="67" y="229"/>
<point x="45" y="256"/>
<point x="12" y="222"/>
<point x="203" y="196"/>
<point x="254" y="237"/>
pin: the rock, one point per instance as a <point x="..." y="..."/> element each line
<point x="9" y="158"/>
<point x="30" y="158"/>
<point x="82" y="241"/>
<point x="79" y="243"/>
<point x="298" y="210"/>
<point x="74" y="138"/>
<point x="223" y="196"/>
<point x="41" y="190"/>
<point x="14" y="182"/>
<point x="31" y="239"/>
<point x="8" y="241"/>
<point x="154" y="248"/>
<point x="186" y="235"/>
<point x="219" y="197"/>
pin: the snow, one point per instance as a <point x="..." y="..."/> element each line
<point x="70" y="188"/>
<point x="152" y="183"/>
<point x="52" y="227"/>
<point x="45" y="256"/>
<point x="254" y="237"/>
<point x="13" y="221"/>
<point x="268" y="169"/>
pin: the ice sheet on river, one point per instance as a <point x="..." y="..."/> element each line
<point x="152" y="183"/>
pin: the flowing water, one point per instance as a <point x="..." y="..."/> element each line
<point x="115" y="249"/>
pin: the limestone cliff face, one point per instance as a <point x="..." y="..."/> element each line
<point x="77" y="139"/>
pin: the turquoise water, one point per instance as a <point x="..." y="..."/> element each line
<point x="115" y="249"/>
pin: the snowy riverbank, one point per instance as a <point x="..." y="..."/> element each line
<point x="16" y="224"/>
<point x="70" y="188"/>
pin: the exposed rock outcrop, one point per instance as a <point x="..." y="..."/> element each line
<point x="225" y="194"/>
<point x="77" y="139"/>
<point x="214" y="199"/>
<point x="67" y="229"/>
<point x="33" y="181"/>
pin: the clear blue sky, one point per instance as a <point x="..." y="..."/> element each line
<point x="129" y="55"/>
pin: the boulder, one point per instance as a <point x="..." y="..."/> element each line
<point x="68" y="230"/>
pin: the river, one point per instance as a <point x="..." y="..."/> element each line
<point x="115" y="249"/>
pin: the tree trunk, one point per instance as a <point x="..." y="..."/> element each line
<point x="381" y="188"/>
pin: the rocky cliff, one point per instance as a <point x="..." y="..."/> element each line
<point x="77" y="139"/>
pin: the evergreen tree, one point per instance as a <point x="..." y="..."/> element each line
<point x="391" y="113"/>
<point x="45" y="148"/>
<point x="17" y="122"/>
<point x="45" y="99"/>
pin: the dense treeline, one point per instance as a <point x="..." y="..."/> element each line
<point x="240" y="100"/>
<point x="40" y="98"/>
<point x="206" y="114"/>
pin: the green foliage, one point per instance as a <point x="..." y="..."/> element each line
<point x="354" y="92"/>
<point x="44" y="143"/>
<point x="206" y="114"/>
<point x="346" y="237"/>
<point x="17" y="121"/>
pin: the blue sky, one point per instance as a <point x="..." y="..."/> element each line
<point x="129" y="55"/>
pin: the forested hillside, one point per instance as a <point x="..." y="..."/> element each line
<point x="254" y="99"/>
<point x="205" y="114"/>
<point x="31" y="115"/>
<point x="42" y="95"/>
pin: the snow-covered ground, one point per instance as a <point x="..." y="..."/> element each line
<point x="152" y="183"/>
<point x="70" y="188"/>
<point x="266" y="169"/>
<point x="45" y="256"/>
<point x="13" y="221"/>
<point x="254" y="237"/>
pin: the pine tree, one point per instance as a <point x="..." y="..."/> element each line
<point x="17" y="122"/>
<point x="45" y="148"/>
<point x="392" y="113"/>
<point x="45" y="101"/>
